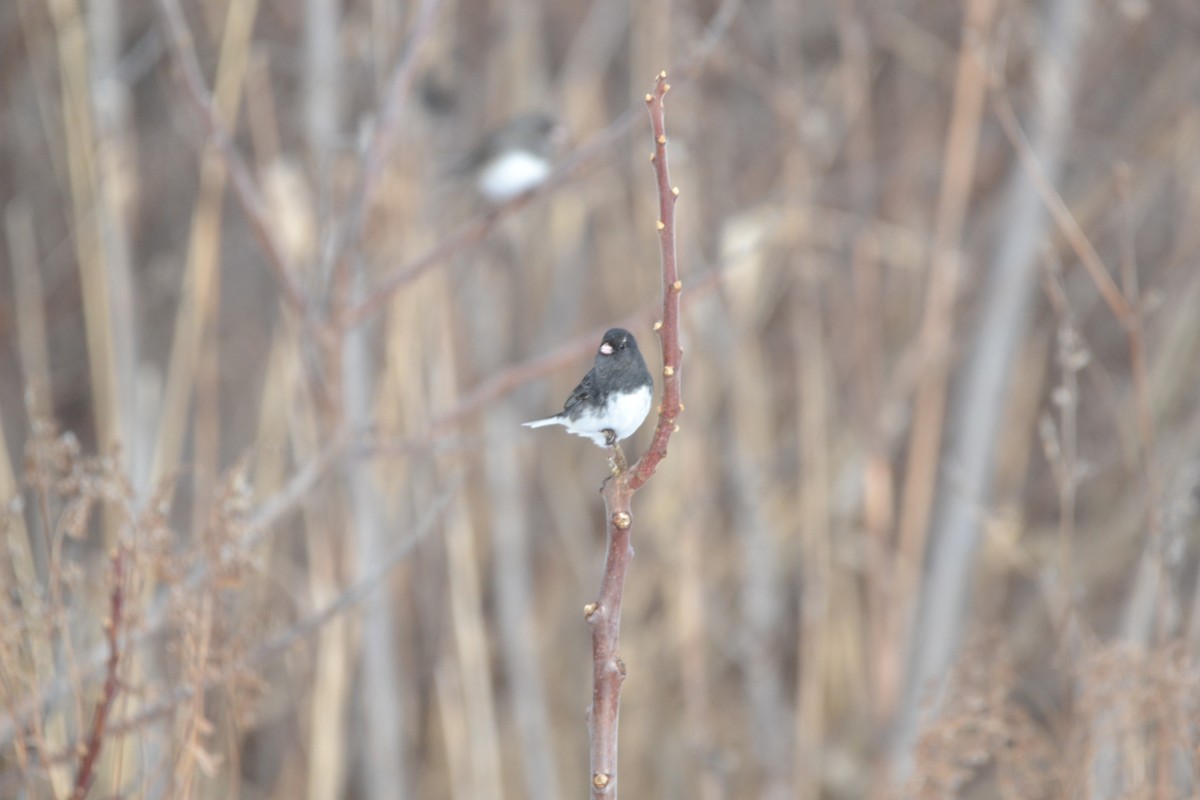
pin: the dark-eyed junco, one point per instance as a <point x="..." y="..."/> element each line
<point x="613" y="399"/>
<point x="515" y="158"/>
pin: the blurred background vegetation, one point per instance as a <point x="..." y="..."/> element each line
<point x="271" y="529"/>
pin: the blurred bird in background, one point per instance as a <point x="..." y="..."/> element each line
<point x="516" y="157"/>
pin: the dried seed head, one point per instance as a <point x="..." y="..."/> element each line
<point x="668" y="370"/>
<point x="590" y="609"/>
<point x="600" y="780"/>
<point x="622" y="519"/>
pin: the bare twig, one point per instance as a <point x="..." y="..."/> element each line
<point x="1148" y="595"/>
<point x="376" y="153"/>
<point x="1061" y="446"/>
<point x="85" y="773"/>
<point x="244" y="186"/>
<point x="604" y="615"/>
<point x="668" y="327"/>
<point x="1062" y="215"/>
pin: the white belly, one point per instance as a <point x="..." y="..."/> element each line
<point x="512" y="174"/>
<point x="623" y="414"/>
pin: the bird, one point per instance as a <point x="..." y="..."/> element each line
<point x="613" y="399"/>
<point x="516" y="157"/>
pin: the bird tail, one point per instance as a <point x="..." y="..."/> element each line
<point x="538" y="423"/>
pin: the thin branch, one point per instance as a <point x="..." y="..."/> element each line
<point x="1062" y="215"/>
<point x="668" y="327"/>
<point x="299" y="487"/>
<point x="244" y="186"/>
<point x="86" y="771"/>
<point x="1060" y="444"/>
<point x="1149" y="595"/>
<point x="382" y="140"/>
<point x="604" y="615"/>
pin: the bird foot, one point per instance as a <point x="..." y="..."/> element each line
<point x="616" y="459"/>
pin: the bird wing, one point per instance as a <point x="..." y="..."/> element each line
<point x="582" y="392"/>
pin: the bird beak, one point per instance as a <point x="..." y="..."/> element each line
<point x="606" y="349"/>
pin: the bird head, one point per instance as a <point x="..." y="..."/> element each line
<point x="617" y="341"/>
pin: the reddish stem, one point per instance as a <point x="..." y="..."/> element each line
<point x="86" y="772"/>
<point x="668" y="328"/>
<point x="608" y="670"/>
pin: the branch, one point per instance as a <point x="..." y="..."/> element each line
<point x="244" y="187"/>
<point x="86" y="772"/>
<point x="1148" y="602"/>
<point x="1063" y="218"/>
<point x="668" y="327"/>
<point x="604" y="615"/>
<point x="375" y="156"/>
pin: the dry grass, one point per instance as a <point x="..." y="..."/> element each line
<point x="270" y="528"/>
